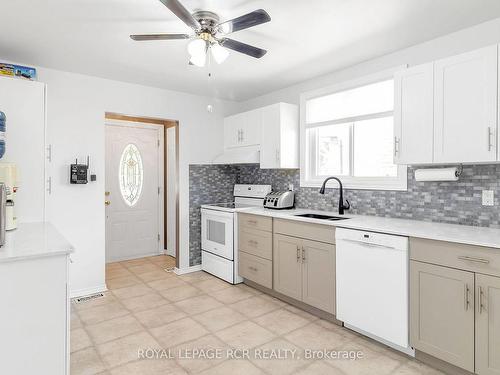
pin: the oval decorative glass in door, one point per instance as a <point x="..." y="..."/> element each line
<point x="131" y="174"/>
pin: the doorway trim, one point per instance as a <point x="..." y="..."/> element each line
<point x="110" y="116"/>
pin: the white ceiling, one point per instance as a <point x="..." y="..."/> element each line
<point x="305" y="39"/>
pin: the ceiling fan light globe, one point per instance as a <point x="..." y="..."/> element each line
<point x="198" y="61"/>
<point x="219" y="53"/>
<point x="197" y="48"/>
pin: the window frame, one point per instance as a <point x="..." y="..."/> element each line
<point x="307" y="177"/>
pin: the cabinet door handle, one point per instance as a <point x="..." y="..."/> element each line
<point x="473" y="259"/>
<point x="252" y="243"/>
<point x="490" y="134"/>
<point x="396" y="146"/>
<point x="298" y="254"/>
<point x="466" y="297"/>
<point x="242" y="135"/>
<point x="303" y="254"/>
<point x="480" y="300"/>
<point x="277" y="155"/>
<point x="253" y="222"/>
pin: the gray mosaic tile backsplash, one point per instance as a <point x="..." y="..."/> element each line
<point x="448" y="202"/>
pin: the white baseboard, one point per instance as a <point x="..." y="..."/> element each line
<point x="182" y="271"/>
<point x="87" y="291"/>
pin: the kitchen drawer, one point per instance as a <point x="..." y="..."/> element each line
<point x="255" y="222"/>
<point x="256" y="269"/>
<point x="315" y="232"/>
<point x="256" y="242"/>
<point x="478" y="259"/>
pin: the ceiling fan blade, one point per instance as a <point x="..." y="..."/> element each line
<point x="251" y="19"/>
<point x="147" y="37"/>
<point x="178" y="9"/>
<point x="242" y="48"/>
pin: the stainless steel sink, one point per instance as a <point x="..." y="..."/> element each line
<point x="322" y="217"/>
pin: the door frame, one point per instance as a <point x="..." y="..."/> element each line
<point x="166" y="123"/>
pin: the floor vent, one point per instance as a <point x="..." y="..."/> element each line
<point x="88" y="298"/>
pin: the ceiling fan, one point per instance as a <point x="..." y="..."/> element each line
<point x="209" y="33"/>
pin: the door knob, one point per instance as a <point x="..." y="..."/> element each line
<point x="107" y="203"/>
<point x="107" y="193"/>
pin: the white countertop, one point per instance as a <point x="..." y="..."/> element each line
<point x="464" y="234"/>
<point x="33" y="240"/>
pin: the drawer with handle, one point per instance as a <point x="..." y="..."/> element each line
<point x="256" y="269"/>
<point x="255" y="222"/>
<point x="465" y="257"/>
<point x="256" y="242"/>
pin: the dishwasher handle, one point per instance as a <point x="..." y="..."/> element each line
<point x="368" y="244"/>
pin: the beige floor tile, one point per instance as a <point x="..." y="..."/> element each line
<point x="155" y="275"/>
<point x="117" y="272"/>
<point x="371" y="363"/>
<point x="292" y="357"/>
<point x="94" y="302"/>
<point x="313" y="336"/>
<point x="79" y="339"/>
<point x="144" y="302"/>
<point x="135" y="262"/>
<point x="281" y="321"/>
<point x="413" y="367"/>
<point x="75" y="322"/>
<point x="301" y="312"/>
<point x="199" y="304"/>
<point x="132" y="291"/>
<point x="113" y="266"/>
<point x="178" y="332"/>
<point x="86" y="362"/>
<point x="209" y="344"/>
<point x="160" y="316"/>
<point x="249" y="289"/>
<point x="231" y="295"/>
<point x="125" y="349"/>
<point x="245" y="335"/>
<point x="234" y="367"/>
<point x="163" y="284"/>
<point x="114" y="329"/>
<point x="122" y="282"/>
<point x="320" y="368"/>
<point x="181" y="292"/>
<point x="150" y="367"/>
<point x="255" y="306"/>
<point x="144" y="268"/>
<point x="101" y="313"/>
<point x="194" y="277"/>
<point x="220" y="318"/>
<point x="212" y="285"/>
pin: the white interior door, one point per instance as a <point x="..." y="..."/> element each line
<point x="134" y="155"/>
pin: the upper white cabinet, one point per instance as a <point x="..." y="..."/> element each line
<point x="274" y="130"/>
<point x="465" y="111"/>
<point x="280" y="136"/>
<point x="413" y="115"/>
<point x="243" y="129"/>
<point x="446" y="111"/>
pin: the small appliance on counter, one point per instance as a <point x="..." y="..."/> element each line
<point x="280" y="200"/>
<point x="8" y="176"/>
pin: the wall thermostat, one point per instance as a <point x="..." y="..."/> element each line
<point x="79" y="173"/>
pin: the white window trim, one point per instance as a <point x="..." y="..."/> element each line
<point x="349" y="182"/>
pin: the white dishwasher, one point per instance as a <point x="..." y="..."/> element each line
<point x="372" y="285"/>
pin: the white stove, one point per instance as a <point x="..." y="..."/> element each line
<point x="219" y="237"/>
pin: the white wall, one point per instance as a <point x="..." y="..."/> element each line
<point x="76" y="105"/>
<point x="462" y="41"/>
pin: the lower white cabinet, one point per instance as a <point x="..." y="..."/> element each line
<point x="34" y="316"/>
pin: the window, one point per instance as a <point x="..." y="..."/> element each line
<point x="130" y="174"/>
<point x="348" y="131"/>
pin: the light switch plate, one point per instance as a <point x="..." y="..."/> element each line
<point x="488" y="198"/>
